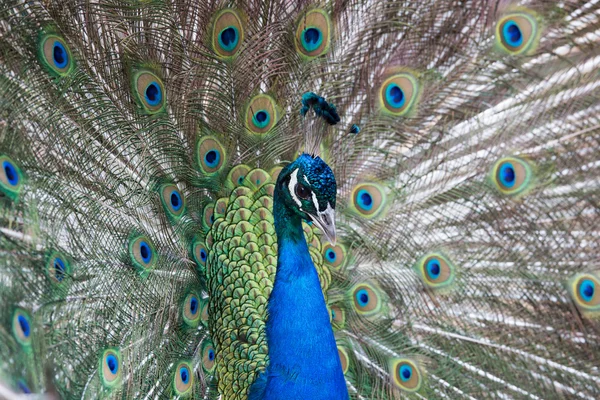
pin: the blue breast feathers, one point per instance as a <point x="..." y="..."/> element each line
<point x="304" y="361"/>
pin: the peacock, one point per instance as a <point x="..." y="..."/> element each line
<point x="312" y="199"/>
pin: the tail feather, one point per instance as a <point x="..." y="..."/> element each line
<point x="467" y="204"/>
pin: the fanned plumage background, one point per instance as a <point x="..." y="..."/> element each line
<point x="95" y="161"/>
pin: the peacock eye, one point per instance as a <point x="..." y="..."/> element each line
<point x="302" y="191"/>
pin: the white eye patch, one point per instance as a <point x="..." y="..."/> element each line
<point x="315" y="201"/>
<point x="292" y="190"/>
<point x="292" y="186"/>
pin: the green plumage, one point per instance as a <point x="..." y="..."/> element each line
<point x="243" y="257"/>
<point x="139" y="147"/>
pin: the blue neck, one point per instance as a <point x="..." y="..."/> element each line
<point x="303" y="356"/>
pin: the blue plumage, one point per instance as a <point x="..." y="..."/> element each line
<point x="507" y="175"/>
<point x="228" y="38"/>
<point x="112" y="363"/>
<point x="512" y="34"/>
<point x="176" y="200"/>
<point x="303" y="355"/>
<point x="587" y="289"/>
<point x="261" y="118"/>
<point x="212" y="158"/>
<point x="311" y="39"/>
<point x="395" y="96"/>
<point x="145" y="252"/>
<point x="153" y="94"/>
<point x="433" y="268"/>
<point x="60" y="55"/>
<point x="11" y="173"/>
<point x="24" y="324"/>
<point x="59" y="269"/>
<point x="184" y="373"/>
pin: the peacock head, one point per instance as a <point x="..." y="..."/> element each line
<point x="307" y="188"/>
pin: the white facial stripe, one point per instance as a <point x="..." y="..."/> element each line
<point x="315" y="201"/>
<point x="292" y="187"/>
<point x="314" y="196"/>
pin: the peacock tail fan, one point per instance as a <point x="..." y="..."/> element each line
<point x="139" y="147"/>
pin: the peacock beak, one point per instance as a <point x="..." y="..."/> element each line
<point x="325" y="221"/>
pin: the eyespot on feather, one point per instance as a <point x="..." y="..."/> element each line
<point x="191" y="309"/>
<point x="183" y="378"/>
<point x="518" y="32"/>
<point x="399" y="94"/>
<point x="22" y="328"/>
<point x="261" y="114"/>
<point x="142" y="253"/>
<point x="11" y="178"/>
<point x="149" y="92"/>
<point x="208" y="215"/>
<point x="436" y="270"/>
<point x="334" y="256"/>
<point x="406" y="374"/>
<point x="367" y="299"/>
<point x="173" y="201"/>
<point x="344" y="360"/>
<point x="210" y="155"/>
<point x="512" y="176"/>
<point x="227" y="33"/>
<point x="368" y="200"/>
<point x="585" y="292"/>
<point x="208" y="356"/>
<point x="220" y="207"/>
<point x="110" y="367"/>
<point x="338" y="316"/>
<point x="257" y="178"/>
<point x="313" y="34"/>
<point x="55" y="55"/>
<point x="57" y="268"/>
<point x="200" y="254"/>
<point x="237" y="175"/>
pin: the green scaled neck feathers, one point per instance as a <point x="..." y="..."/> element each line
<point x="303" y="356"/>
